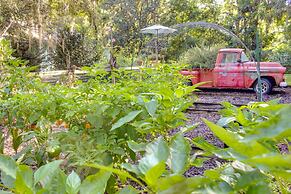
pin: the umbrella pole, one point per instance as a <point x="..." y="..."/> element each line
<point x="157" y="44"/>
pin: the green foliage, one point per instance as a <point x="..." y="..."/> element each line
<point x="75" y="32"/>
<point x="201" y="56"/>
<point x="252" y="164"/>
<point x="281" y="54"/>
<point x="5" y="51"/>
<point x="252" y="135"/>
<point x="49" y="178"/>
<point x="76" y="48"/>
<point x="101" y="116"/>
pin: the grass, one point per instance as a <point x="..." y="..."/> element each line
<point x="288" y="79"/>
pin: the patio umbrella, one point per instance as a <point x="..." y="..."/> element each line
<point x="156" y="30"/>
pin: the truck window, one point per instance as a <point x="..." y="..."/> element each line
<point x="244" y="57"/>
<point x="229" y="58"/>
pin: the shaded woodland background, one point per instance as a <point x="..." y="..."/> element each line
<point x="55" y="34"/>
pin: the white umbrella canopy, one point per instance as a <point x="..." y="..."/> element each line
<point x="157" y="30"/>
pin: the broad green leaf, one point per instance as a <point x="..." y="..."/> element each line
<point x="136" y="147"/>
<point x="284" y="174"/>
<point x="129" y="117"/>
<point x="156" y="152"/>
<point x="95" y="183"/>
<point x="179" y="154"/>
<point x="241" y="166"/>
<point x="24" y="180"/>
<point x="8" y="166"/>
<point x="261" y="187"/>
<point x="154" y="173"/>
<point x="213" y="174"/>
<point x="57" y="183"/>
<point x="151" y="107"/>
<point x="229" y="154"/>
<point x="186" y="186"/>
<point x="188" y="128"/>
<point x="198" y="162"/>
<point x="250" y="178"/>
<point x="131" y="168"/>
<point x="119" y="172"/>
<point x="179" y="92"/>
<point x="224" y="121"/>
<point x="233" y="141"/>
<point x="168" y="181"/>
<point x="111" y="185"/>
<point x="73" y="183"/>
<point x="95" y="120"/>
<point x="128" y="190"/>
<point x="201" y="143"/>
<point x="241" y="118"/>
<point x="272" y="161"/>
<point x="34" y="117"/>
<point x="221" y="188"/>
<point x="8" y="181"/>
<point x="45" y="173"/>
<point x="277" y="127"/>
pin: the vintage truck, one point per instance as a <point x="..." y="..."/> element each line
<point x="233" y="69"/>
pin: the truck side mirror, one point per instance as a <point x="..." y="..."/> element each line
<point x="239" y="61"/>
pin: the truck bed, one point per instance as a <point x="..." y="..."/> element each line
<point x="200" y="75"/>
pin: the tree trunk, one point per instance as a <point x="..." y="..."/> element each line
<point x="39" y="24"/>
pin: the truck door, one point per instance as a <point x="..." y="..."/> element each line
<point x="229" y="72"/>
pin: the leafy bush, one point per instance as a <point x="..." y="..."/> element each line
<point x="100" y="115"/>
<point x="282" y="54"/>
<point x="49" y="178"/>
<point x="252" y="134"/>
<point x="201" y="56"/>
<point x="253" y="162"/>
<point x="74" y="47"/>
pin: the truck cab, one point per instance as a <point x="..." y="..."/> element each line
<point x="233" y="69"/>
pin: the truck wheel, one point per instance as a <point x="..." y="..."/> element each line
<point x="189" y="83"/>
<point x="266" y="86"/>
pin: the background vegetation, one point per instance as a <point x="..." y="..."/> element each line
<point x="53" y="33"/>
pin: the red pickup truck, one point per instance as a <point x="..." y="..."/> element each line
<point x="233" y="69"/>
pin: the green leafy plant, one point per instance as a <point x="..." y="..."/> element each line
<point x="100" y="115"/>
<point x="252" y="134"/>
<point x="17" y="178"/>
<point x="201" y="56"/>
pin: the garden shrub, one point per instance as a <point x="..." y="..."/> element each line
<point x="281" y="54"/>
<point x="201" y="56"/>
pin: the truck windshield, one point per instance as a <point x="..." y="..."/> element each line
<point x="244" y="57"/>
<point x="229" y="58"/>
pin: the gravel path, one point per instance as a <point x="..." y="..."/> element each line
<point x="241" y="96"/>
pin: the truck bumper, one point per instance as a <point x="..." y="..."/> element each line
<point x="283" y="84"/>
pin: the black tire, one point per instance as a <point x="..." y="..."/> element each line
<point x="189" y="83"/>
<point x="267" y="86"/>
